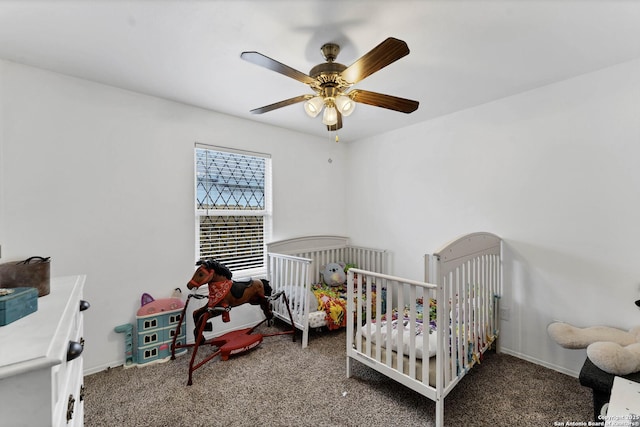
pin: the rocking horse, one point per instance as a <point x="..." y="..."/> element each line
<point x="223" y="295"/>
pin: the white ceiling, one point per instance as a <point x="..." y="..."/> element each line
<point x="463" y="53"/>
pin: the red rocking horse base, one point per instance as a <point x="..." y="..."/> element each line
<point x="236" y="342"/>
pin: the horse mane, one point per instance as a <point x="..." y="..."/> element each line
<point x="216" y="266"/>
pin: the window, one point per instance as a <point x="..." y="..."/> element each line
<point x="153" y="323"/>
<point x="148" y="339"/>
<point x="151" y="353"/>
<point x="233" y="208"/>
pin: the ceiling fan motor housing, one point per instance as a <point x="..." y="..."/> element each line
<point x="327" y="76"/>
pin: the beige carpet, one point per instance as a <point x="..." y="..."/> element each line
<point x="280" y="384"/>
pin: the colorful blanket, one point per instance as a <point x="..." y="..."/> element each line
<point x="433" y="309"/>
<point x="332" y="300"/>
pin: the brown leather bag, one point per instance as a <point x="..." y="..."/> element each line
<point x="33" y="272"/>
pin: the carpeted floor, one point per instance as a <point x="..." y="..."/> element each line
<point x="280" y="384"/>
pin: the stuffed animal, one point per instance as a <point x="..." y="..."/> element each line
<point x="333" y="274"/>
<point x="613" y="350"/>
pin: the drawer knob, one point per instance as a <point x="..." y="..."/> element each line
<point x="84" y="305"/>
<point x="75" y="350"/>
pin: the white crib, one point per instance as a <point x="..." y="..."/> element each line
<point x="466" y="284"/>
<point x="295" y="264"/>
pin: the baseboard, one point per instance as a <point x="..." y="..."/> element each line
<point x="96" y="369"/>
<point x="522" y="356"/>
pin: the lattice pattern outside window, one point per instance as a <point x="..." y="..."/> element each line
<point x="229" y="181"/>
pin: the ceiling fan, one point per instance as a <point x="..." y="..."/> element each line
<point x="331" y="82"/>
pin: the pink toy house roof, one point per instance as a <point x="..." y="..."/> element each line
<point x="160" y="305"/>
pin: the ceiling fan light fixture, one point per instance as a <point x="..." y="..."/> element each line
<point x="313" y="106"/>
<point x="330" y="116"/>
<point x="345" y="105"/>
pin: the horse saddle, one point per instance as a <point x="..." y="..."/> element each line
<point x="238" y="287"/>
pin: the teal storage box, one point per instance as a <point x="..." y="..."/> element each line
<point x="16" y="303"/>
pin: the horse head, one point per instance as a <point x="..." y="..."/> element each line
<point x="207" y="271"/>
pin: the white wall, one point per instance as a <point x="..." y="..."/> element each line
<point x="101" y="180"/>
<point x="553" y="171"/>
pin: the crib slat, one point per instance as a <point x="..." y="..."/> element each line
<point x="412" y="328"/>
<point x="297" y="271"/>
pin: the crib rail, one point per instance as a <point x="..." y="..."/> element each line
<point x="395" y="355"/>
<point x="295" y="265"/>
<point x="291" y="275"/>
<point x="364" y="258"/>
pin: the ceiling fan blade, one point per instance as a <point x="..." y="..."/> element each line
<point x="281" y="104"/>
<point x="278" y="67"/>
<point x="377" y="58"/>
<point x="338" y="125"/>
<point x="385" y="101"/>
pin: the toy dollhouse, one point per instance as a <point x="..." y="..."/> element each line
<point x="156" y="324"/>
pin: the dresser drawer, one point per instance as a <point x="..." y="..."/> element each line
<point x="69" y="410"/>
<point x="66" y="374"/>
<point x="40" y="379"/>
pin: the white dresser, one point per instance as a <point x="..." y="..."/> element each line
<point x="41" y="361"/>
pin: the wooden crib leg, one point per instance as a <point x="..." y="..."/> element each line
<point x="305" y="335"/>
<point x="440" y="412"/>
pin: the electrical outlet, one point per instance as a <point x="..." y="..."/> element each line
<point x="504" y="314"/>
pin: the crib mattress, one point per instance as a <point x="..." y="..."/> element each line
<point x="405" y="363"/>
<point x="317" y="319"/>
